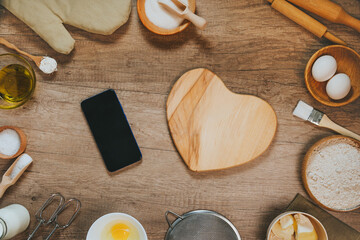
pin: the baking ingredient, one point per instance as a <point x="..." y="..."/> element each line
<point x="23" y="161"/>
<point x="304" y="228"/>
<point x="16" y="218"/>
<point x="120" y="230"/>
<point x="116" y="226"/>
<point x="338" y="86"/>
<point x="9" y="142"/>
<point x="272" y="236"/>
<point x="161" y="16"/>
<point x="333" y="175"/>
<point x="291" y="227"/>
<point x="283" y="233"/>
<point x="286" y="221"/>
<point x="48" y="65"/>
<point x="16" y="83"/>
<point x="324" y="68"/>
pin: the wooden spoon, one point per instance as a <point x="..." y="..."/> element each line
<point x="23" y="142"/>
<point x="37" y="59"/>
<point x="7" y="180"/>
<point x="183" y="11"/>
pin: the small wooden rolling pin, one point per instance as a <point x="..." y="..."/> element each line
<point x="329" y="11"/>
<point x="301" y="18"/>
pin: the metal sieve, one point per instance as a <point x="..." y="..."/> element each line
<point x="200" y="225"/>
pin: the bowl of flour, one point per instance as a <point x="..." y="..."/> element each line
<point x="331" y="173"/>
<point x="161" y="21"/>
<point x="12" y="142"/>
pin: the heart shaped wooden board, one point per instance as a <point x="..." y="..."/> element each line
<point x="214" y="128"/>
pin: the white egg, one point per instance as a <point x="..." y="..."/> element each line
<point x="324" y="68"/>
<point x="339" y="86"/>
<point x="116" y="226"/>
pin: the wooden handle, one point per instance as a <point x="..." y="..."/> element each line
<point x="299" y="17"/>
<point x="3" y="189"/>
<point x="198" y="21"/>
<point x="350" y="21"/>
<point x="326" y="122"/>
<point x="4" y="42"/>
<point x="329" y="11"/>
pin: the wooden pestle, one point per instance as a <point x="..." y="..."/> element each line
<point x="301" y="18"/>
<point x="329" y="11"/>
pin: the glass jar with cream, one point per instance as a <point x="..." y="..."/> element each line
<point x="14" y="219"/>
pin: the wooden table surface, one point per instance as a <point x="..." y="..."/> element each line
<point x="253" y="48"/>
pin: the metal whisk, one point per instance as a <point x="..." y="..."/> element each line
<point x="62" y="205"/>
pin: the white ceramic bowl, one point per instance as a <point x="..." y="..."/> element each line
<point x="319" y="228"/>
<point x="96" y="228"/>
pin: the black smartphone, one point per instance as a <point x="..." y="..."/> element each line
<point x="111" y="130"/>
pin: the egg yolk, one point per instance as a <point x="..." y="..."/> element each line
<point x="120" y="231"/>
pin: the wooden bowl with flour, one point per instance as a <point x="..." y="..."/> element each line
<point x="141" y="9"/>
<point x="331" y="173"/>
<point x="22" y="142"/>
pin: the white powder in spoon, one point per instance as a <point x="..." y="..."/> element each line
<point x="161" y="16"/>
<point x="9" y="142"/>
<point x="23" y="162"/>
<point x="333" y="175"/>
<point x="48" y="65"/>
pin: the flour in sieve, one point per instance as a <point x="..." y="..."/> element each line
<point x="333" y="175"/>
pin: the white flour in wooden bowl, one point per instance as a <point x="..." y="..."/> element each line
<point x="333" y="174"/>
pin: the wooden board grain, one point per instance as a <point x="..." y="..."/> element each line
<point x="254" y="49"/>
<point x="212" y="127"/>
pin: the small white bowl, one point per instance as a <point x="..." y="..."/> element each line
<point x="319" y="228"/>
<point x="96" y="228"/>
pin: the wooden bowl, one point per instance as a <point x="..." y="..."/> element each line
<point x="23" y="142"/>
<point x="316" y="147"/>
<point x="348" y="61"/>
<point x="158" y="30"/>
<point x="319" y="228"/>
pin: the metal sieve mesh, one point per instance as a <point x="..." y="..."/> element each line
<point x="202" y="225"/>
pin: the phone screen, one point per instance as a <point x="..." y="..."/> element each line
<point x="111" y="130"/>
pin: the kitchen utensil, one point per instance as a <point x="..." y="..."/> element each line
<point x="329" y="11"/>
<point x="214" y="128"/>
<point x="39" y="214"/>
<point x="319" y="228"/>
<point x="155" y="29"/>
<point x="72" y="218"/>
<point x="98" y="226"/>
<point x="10" y="84"/>
<point x="200" y="225"/>
<point x="301" y="18"/>
<point x="38" y="60"/>
<point x="183" y="11"/>
<point x="348" y="61"/>
<point x="315" y="148"/>
<point x="9" y="180"/>
<point x="23" y="142"/>
<point x="63" y="205"/>
<point x="308" y="113"/>
<point x="47" y="18"/>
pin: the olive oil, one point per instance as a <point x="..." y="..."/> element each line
<point x="16" y="83"/>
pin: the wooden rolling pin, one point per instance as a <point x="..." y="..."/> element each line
<point x="301" y="18"/>
<point x="329" y="11"/>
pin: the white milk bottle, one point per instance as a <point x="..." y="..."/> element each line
<point x="14" y="219"/>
